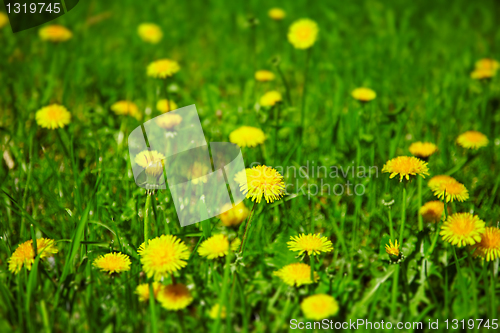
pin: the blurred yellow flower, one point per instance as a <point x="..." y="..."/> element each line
<point x="263" y="181"/>
<point x="175" y="297"/>
<point x="126" y="108"/>
<point x="462" y="229"/>
<point x="214" y="311"/>
<point x="392" y="249"/>
<point x="163" y="255"/>
<point x="435" y="181"/>
<point x="264" y="76"/>
<point x="53" y="116"/>
<point x="276" y="14"/>
<point x="482" y="74"/>
<point x="25" y="254"/>
<point x="163" y="68"/>
<point x="406" y="166"/>
<point x="151" y="160"/>
<point x="217" y="246"/>
<point x="364" y="94"/>
<point x="142" y="290"/>
<point x="4" y="20"/>
<point x="303" y="33"/>
<point x="247" y="136"/>
<point x="114" y="262"/>
<point x="168" y="121"/>
<point x="432" y="211"/>
<point x="270" y="98"/>
<point x="198" y="172"/>
<point x="453" y="189"/>
<point x="489" y="246"/>
<point x="313" y="244"/>
<point x="472" y="140"/>
<point x="150" y="32"/>
<point x="55" y="33"/>
<point x="165" y="105"/>
<point x="423" y="149"/>
<point x="296" y="274"/>
<point x="487" y="63"/>
<point x="233" y="215"/>
<point x="319" y="307"/>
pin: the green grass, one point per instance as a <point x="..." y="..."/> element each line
<point x="75" y="185"/>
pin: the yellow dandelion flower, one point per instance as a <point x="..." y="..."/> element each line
<point x="217" y="246"/>
<point x="163" y="255"/>
<point x="55" y="33"/>
<point x="363" y="94"/>
<point x="296" y="274"/>
<point x="432" y="211"/>
<point x="406" y="166"/>
<point x="168" y="121"/>
<point x="163" y="68"/>
<point x="319" y="307"/>
<point x="487" y="63"/>
<point x="423" y="149"/>
<point x="392" y="249"/>
<point x="264" y="76"/>
<point x="142" y="290"/>
<point x="462" y="229"/>
<point x="313" y="244"/>
<point x="453" y="189"/>
<point x="276" y="14"/>
<point x="234" y="215"/>
<point x="214" y="312"/>
<point x="263" y="181"/>
<point x="489" y="246"/>
<point x="435" y="181"/>
<point x="25" y="254"/>
<point x="303" y="33"/>
<point x="114" y="262"/>
<point x="150" y="33"/>
<point x="472" y="140"/>
<point x="53" y="116"/>
<point x="4" y="20"/>
<point x="151" y="160"/>
<point x="126" y="108"/>
<point x="198" y="172"/>
<point x="247" y="136"/>
<point x="270" y="98"/>
<point x="482" y="74"/>
<point x="165" y="105"/>
<point x="175" y="297"/>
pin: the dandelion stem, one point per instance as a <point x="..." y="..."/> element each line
<point x="473" y="287"/>
<point x="394" y="297"/>
<point x="492" y="292"/>
<point x="285" y="84"/>
<point x="391" y="228"/>
<point x="461" y="281"/>
<point x="249" y="220"/>
<point x="303" y="107"/>
<point x="152" y="308"/>
<point x="403" y="217"/>
<point x="147" y="213"/>
<point x="276" y="108"/>
<point x="419" y="198"/>
<point x="311" y="260"/>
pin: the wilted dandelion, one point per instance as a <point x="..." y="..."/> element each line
<point x="423" y="150"/>
<point x="53" y="116"/>
<point x="319" y="306"/>
<point x="264" y="76"/>
<point x="163" y="68"/>
<point x="303" y="33"/>
<point x="4" y="20"/>
<point x="25" y="254"/>
<point x="472" y="140"/>
<point x="55" y="33"/>
<point x="217" y="246"/>
<point x="432" y="211"/>
<point x="435" y="181"/>
<point x="114" y="262"/>
<point x="126" y="108"/>
<point x="270" y="98"/>
<point x="462" y="229"/>
<point x="392" y="249"/>
<point x="489" y="246"/>
<point x="453" y="189"/>
<point x="276" y="14"/>
<point x="406" y="166"/>
<point x="150" y="32"/>
<point x="168" y="121"/>
<point x="247" y="136"/>
<point x="165" y="105"/>
<point x="163" y="255"/>
<point x="296" y="274"/>
<point x="174" y="297"/>
<point x="313" y="244"/>
<point x="363" y="94"/>
<point x="142" y="290"/>
<point x="263" y="181"/>
<point x="151" y="161"/>
<point x="235" y="215"/>
<point x="214" y="311"/>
